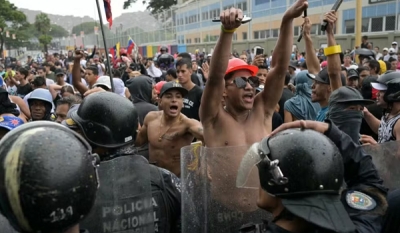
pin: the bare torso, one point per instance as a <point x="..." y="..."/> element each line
<point x="226" y="131"/>
<point x="165" y="153"/>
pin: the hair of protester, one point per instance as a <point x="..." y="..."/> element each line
<point x="67" y="88"/>
<point x="185" y="55"/>
<point x="40" y="68"/>
<point x="362" y="68"/>
<point x="116" y="73"/>
<point x="70" y="100"/>
<point x="184" y="61"/>
<point x="6" y="106"/>
<point x="391" y="59"/>
<point x="39" y="81"/>
<point x="172" y="72"/>
<point x="57" y="63"/>
<point x="24" y="72"/>
<point x="374" y="65"/>
<point x="377" y="47"/>
<point x="388" y="65"/>
<point x="287" y="78"/>
<point x="94" y="69"/>
<point x="365" y="37"/>
<point x="262" y="67"/>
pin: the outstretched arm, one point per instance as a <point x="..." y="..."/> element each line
<point x="281" y="56"/>
<point x="313" y="66"/>
<point x="76" y="73"/>
<point x="334" y="66"/>
<point x="215" y="84"/>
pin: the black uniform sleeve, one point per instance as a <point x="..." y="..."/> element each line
<point x="358" y="166"/>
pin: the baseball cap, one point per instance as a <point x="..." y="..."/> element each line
<point x="103" y="81"/>
<point x="394" y="42"/>
<point x="323" y="210"/>
<point x="352" y="73"/>
<point x="236" y="64"/>
<point x="323" y="77"/>
<point x="159" y="86"/>
<point x="293" y="65"/>
<point x="173" y="86"/>
<point x="10" y="122"/>
<point x="385" y="49"/>
<point x="59" y="72"/>
<point x="379" y="86"/>
<point x="346" y="94"/>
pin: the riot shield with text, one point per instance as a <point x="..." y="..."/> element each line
<point x="386" y="157"/>
<point x="211" y="201"/>
<point x="124" y="200"/>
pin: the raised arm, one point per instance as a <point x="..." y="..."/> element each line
<point x="313" y="66"/>
<point x="214" y="89"/>
<point x="280" y="60"/>
<point x="76" y="73"/>
<point x="334" y="66"/>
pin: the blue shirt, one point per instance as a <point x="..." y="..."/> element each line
<point x="321" y="114"/>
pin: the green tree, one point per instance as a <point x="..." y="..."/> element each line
<point x="155" y="6"/>
<point x="13" y="21"/>
<point x="88" y="28"/>
<point x="43" y="26"/>
<point x="58" y="31"/>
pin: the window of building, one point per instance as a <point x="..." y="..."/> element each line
<point x="390" y="23"/>
<point x="258" y="2"/>
<point x="275" y="32"/>
<point x="256" y="35"/>
<point x="242" y="6"/>
<point x="297" y="30"/>
<point x="314" y="29"/>
<point x="197" y="40"/>
<point x="377" y="24"/>
<point x="263" y="34"/>
<point x="244" y="35"/>
<point x="365" y="25"/>
<point x="235" y="36"/>
<point x="349" y="26"/>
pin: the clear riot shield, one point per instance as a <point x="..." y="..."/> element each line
<point x="211" y="201"/>
<point x="386" y="157"/>
<point x="124" y="202"/>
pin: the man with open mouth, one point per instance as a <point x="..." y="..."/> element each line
<point x="168" y="130"/>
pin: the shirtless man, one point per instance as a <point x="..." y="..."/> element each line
<point x="167" y="131"/>
<point x="238" y="123"/>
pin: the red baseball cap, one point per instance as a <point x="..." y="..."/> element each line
<point x="158" y="86"/>
<point x="238" y="64"/>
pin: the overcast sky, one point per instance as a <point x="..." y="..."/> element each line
<point x="77" y="7"/>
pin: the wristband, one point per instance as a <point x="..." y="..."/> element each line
<point x="226" y="30"/>
<point x="336" y="49"/>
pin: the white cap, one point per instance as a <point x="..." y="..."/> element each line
<point x="391" y="50"/>
<point x="379" y="86"/>
<point x="119" y="87"/>
<point x="394" y="42"/>
<point x="385" y="49"/>
<point x="103" y="81"/>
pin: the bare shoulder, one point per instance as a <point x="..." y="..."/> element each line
<point x="151" y="116"/>
<point x="15" y="98"/>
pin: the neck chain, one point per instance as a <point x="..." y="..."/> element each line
<point x="162" y="135"/>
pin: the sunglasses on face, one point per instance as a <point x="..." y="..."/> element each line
<point x="241" y="82"/>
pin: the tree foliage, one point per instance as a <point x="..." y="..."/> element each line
<point x="155" y="6"/>
<point x="87" y="27"/>
<point x="43" y="26"/>
<point x="13" y="21"/>
<point x="57" y="31"/>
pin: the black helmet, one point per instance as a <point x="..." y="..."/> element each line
<point x="305" y="170"/>
<point x="392" y="93"/>
<point x="309" y="162"/>
<point x="48" y="177"/>
<point x="107" y="120"/>
<point x="164" y="49"/>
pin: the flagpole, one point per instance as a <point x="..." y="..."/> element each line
<point x="105" y="45"/>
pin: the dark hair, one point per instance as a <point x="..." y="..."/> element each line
<point x="94" y="69"/>
<point x="185" y="55"/>
<point x="39" y="81"/>
<point x="388" y="65"/>
<point x="362" y="68"/>
<point x="40" y="68"/>
<point x="24" y="72"/>
<point x="6" y="106"/>
<point x="365" y="37"/>
<point x="391" y="59"/>
<point x="172" y="72"/>
<point x="57" y="63"/>
<point x="377" y="47"/>
<point x="184" y="61"/>
<point x="46" y="64"/>
<point x="70" y="100"/>
<point x="66" y="88"/>
<point x="374" y="65"/>
<point x="287" y="78"/>
<point x="263" y="67"/>
<point x="116" y="73"/>
<point x="343" y="68"/>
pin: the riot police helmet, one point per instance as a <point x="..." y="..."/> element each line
<point x="107" y="120"/>
<point x="392" y="93"/>
<point x="48" y="177"/>
<point x="305" y="170"/>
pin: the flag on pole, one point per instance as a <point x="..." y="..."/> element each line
<point x="112" y="52"/>
<point x="131" y="45"/>
<point x="117" y="48"/>
<point x="107" y="8"/>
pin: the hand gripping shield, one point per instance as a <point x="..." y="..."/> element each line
<point x="124" y="201"/>
<point x="211" y="201"/>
